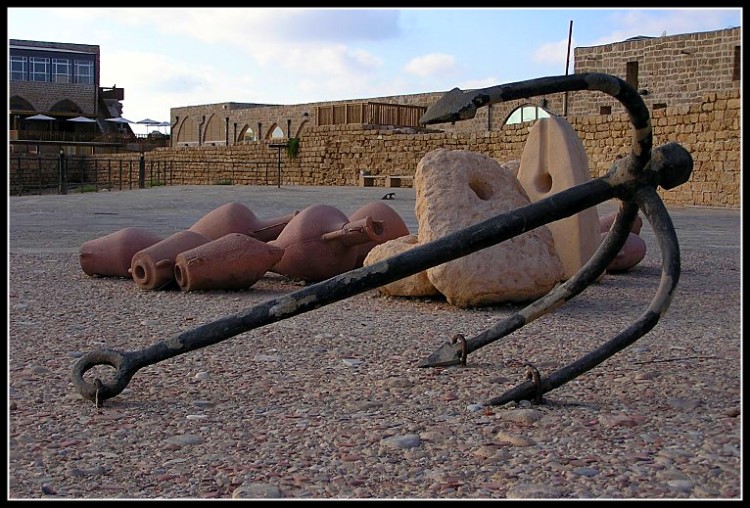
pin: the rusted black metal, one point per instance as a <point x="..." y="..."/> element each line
<point x="631" y="179"/>
<point x="669" y="160"/>
<point x="654" y="210"/>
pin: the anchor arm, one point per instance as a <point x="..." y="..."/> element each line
<point x="670" y="166"/>
<point x="656" y="213"/>
<point x="449" y="354"/>
<point x="457" y="105"/>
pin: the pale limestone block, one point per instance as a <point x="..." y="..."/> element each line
<point x="457" y="189"/>
<point x="417" y="285"/>
<point x="554" y="160"/>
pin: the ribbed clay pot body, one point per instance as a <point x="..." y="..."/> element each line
<point x="234" y="261"/>
<point x="393" y="226"/>
<point x="153" y="267"/>
<point x="110" y="255"/>
<point x="238" y="218"/>
<point x="321" y="242"/>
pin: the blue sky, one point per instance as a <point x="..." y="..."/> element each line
<point x="174" y="57"/>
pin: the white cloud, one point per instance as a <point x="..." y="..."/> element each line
<point x="431" y="65"/>
<point x="156" y="83"/>
<point x="479" y="83"/>
<point x="655" y="23"/>
<point x="554" y="53"/>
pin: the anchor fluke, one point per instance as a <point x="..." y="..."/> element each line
<point x="455" y="105"/>
<point x="447" y="355"/>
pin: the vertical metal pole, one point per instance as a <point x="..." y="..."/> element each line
<point x="39" y="171"/>
<point x="141" y="172"/>
<point x="63" y="183"/>
<point x="278" y="174"/>
<point x="567" y="65"/>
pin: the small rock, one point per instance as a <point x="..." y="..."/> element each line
<point x="352" y="362"/>
<point x="403" y="441"/>
<point x="256" y="490"/>
<point x="186" y="439"/>
<point x="522" y="416"/>
<point x="267" y="358"/>
<point x="532" y="491"/>
<point x="514" y="439"/>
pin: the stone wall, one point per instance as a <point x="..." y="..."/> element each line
<point x="335" y="155"/>
<point x="670" y="70"/>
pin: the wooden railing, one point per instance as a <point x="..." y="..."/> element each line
<point x="375" y="113"/>
<point x="86" y="137"/>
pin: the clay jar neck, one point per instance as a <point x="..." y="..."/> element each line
<point x="357" y="232"/>
<point x="237" y="218"/>
<point x="266" y="230"/>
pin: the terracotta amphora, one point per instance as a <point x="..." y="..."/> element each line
<point x="110" y="255"/>
<point x="606" y="221"/>
<point x="321" y="242"/>
<point x="630" y="255"/>
<point x="634" y="249"/>
<point x="234" y="261"/>
<point x="153" y="267"/>
<point x="393" y="226"/>
<point x="238" y="218"/>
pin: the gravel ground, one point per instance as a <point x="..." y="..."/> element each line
<point x="331" y="403"/>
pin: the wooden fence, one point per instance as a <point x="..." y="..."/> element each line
<point x="374" y="113"/>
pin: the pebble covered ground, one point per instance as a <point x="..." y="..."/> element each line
<point x="331" y="404"/>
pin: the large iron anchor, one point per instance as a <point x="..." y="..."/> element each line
<point x="632" y="179"/>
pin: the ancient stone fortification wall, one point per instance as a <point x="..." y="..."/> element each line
<point x="710" y="131"/>
<point x="335" y="155"/>
<point x="669" y="70"/>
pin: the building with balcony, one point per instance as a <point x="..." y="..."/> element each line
<point x="56" y="101"/>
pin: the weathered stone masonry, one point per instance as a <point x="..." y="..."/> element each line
<point x="334" y="155"/>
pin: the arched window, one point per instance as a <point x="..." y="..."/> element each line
<point x="526" y="113"/>
<point x="249" y="135"/>
<point x="278" y="133"/>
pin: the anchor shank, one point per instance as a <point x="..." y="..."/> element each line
<point x="481" y="235"/>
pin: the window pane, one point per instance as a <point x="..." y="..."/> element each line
<point x="39" y="69"/>
<point x="528" y="113"/>
<point x="514" y="117"/>
<point x="60" y="70"/>
<point x="18" y="68"/>
<point x="84" y="72"/>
